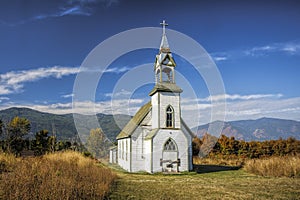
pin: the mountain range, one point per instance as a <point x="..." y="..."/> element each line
<point x="258" y="130"/>
<point x="64" y="128"/>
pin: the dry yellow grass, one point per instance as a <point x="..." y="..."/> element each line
<point x="7" y="162"/>
<point x="218" y="161"/>
<point x="288" y="166"/>
<point x="67" y="175"/>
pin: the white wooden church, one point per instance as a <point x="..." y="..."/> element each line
<point x="157" y="139"/>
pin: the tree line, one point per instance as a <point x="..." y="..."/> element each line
<point x="230" y="147"/>
<point x="13" y="139"/>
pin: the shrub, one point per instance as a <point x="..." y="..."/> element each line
<point x="64" y="175"/>
<point x="288" y="166"/>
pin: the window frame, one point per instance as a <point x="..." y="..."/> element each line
<point x="169" y="114"/>
<point x="170" y="145"/>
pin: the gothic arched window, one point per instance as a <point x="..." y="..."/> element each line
<point x="170" y="145"/>
<point x="169" y="117"/>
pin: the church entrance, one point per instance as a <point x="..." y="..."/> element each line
<point x="170" y="161"/>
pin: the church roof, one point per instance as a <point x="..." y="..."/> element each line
<point x="165" y="87"/>
<point x="151" y="134"/>
<point x="135" y="121"/>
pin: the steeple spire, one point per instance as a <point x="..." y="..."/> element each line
<point x="164" y="45"/>
<point x="164" y="24"/>
<point x="164" y="63"/>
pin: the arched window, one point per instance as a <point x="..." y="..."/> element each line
<point x="170" y="145"/>
<point x="169" y="117"/>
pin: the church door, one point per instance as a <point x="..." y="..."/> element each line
<point x="169" y="161"/>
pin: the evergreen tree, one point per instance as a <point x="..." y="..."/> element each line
<point x="16" y="129"/>
<point x="41" y="145"/>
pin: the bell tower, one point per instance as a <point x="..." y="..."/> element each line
<point x="164" y="63"/>
<point x="165" y="96"/>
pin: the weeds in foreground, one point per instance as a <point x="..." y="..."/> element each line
<point x="7" y="162"/>
<point x="67" y="175"/>
<point x="288" y="166"/>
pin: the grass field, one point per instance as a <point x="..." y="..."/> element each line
<point x="230" y="184"/>
<point x="61" y="175"/>
<point x="69" y="175"/>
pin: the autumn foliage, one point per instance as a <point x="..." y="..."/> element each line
<point x="229" y="147"/>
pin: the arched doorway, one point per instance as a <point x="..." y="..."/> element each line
<point x="170" y="161"/>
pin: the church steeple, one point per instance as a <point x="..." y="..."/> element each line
<point x="165" y="96"/>
<point x="164" y="63"/>
<point x="164" y="45"/>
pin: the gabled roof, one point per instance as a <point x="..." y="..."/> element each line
<point x="151" y="134"/>
<point x="135" y="121"/>
<point x="165" y="87"/>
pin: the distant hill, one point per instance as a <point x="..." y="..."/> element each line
<point x="62" y="125"/>
<point x="259" y="130"/>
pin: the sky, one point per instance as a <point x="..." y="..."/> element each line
<point x="254" y="44"/>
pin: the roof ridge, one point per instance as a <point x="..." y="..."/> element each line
<point x="135" y="121"/>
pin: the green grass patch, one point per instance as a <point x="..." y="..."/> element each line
<point x="232" y="184"/>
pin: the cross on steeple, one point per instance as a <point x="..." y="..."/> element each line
<point x="164" y="24"/>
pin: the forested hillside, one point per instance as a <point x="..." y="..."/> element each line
<point x="62" y="125"/>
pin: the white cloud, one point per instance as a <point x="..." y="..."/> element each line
<point x="120" y="94"/>
<point x="277" y="108"/>
<point x="286" y="48"/>
<point x="81" y="7"/>
<point x="290" y="47"/>
<point x="239" y="107"/>
<point x="233" y="97"/>
<point x="117" y="70"/>
<point x="119" y="106"/>
<point x="67" y="95"/>
<point x="96" y="69"/>
<point x="229" y="97"/>
<point x="63" y="8"/>
<point x="194" y="112"/>
<point x="3" y="99"/>
<point x="13" y="81"/>
<point x="220" y="58"/>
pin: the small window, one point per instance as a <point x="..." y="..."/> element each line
<point x="126" y="150"/>
<point x="122" y="149"/>
<point x="170" y="116"/>
<point x="170" y="145"/>
<point x="119" y="148"/>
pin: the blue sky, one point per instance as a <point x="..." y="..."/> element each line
<point x="255" y="45"/>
